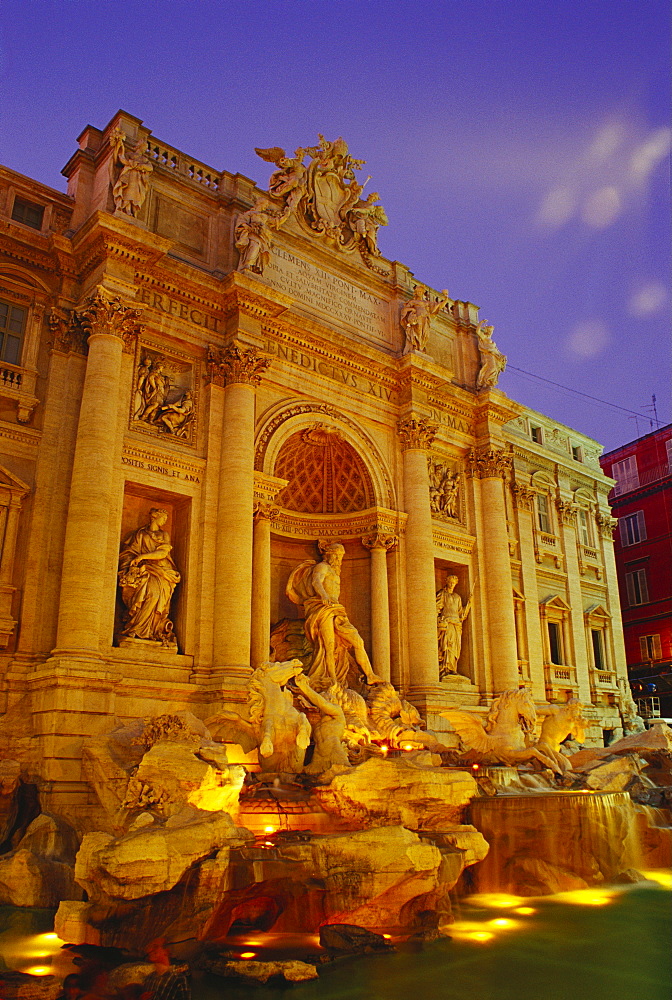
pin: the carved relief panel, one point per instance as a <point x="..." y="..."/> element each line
<point x="164" y="398"/>
<point x="445" y="493"/>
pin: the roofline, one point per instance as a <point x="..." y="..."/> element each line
<point x="621" y="447"/>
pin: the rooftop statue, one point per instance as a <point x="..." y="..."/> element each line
<point x="253" y="234"/>
<point x="147" y="577"/>
<point x="130" y="189"/>
<point x="316" y="586"/>
<point x="416" y="317"/>
<point x="325" y="196"/>
<point x="493" y="362"/>
<point x="512" y="716"/>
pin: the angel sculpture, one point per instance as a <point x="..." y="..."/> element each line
<point x="502" y="740"/>
<point x="288" y="182"/>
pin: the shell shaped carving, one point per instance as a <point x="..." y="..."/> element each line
<point x="325" y="473"/>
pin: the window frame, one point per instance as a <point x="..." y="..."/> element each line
<point x="631" y="524"/>
<point x="656" y="653"/>
<point x="20" y="201"/>
<point x="629" y="478"/>
<point x="642" y="587"/>
<point x="6" y="332"/>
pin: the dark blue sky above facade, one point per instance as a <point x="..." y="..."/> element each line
<point x="520" y="148"/>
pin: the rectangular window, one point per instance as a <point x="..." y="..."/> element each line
<point x="598" y="649"/>
<point x="632" y="528"/>
<point x="576" y="453"/>
<point x="554" y="639"/>
<point x="584" y="527"/>
<point x="543" y="517"/>
<point x="668" y="445"/>
<point x="536" y="435"/>
<point x="12" y="323"/>
<point x="28" y="213"/>
<point x="649" y="647"/>
<point x="637" y="587"/>
<point x="626" y="475"/>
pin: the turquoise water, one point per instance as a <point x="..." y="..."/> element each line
<point x="564" y="951"/>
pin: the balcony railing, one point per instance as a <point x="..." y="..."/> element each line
<point x="172" y="159"/>
<point x="644" y="478"/>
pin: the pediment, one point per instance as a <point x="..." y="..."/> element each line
<point x="12" y="482"/>
<point x="555" y="601"/>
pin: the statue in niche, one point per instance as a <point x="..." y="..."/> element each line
<point x="288" y="182"/>
<point x="416" y="317"/>
<point x="450" y="615"/>
<point x="253" y="235"/>
<point x="316" y="586"/>
<point x="174" y="418"/>
<point x="147" y="577"/>
<point x="130" y="189"/>
<point x="328" y="729"/>
<point x="493" y="362"/>
<point x="443" y="487"/>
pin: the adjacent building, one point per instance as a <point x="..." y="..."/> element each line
<point x="642" y="501"/>
<point x="215" y="379"/>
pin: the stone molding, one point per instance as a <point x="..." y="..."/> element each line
<point x="416" y="432"/>
<point x="523" y="496"/>
<point x="606" y="524"/>
<point x="567" y="511"/>
<point x="493" y="463"/>
<point x="378" y="540"/>
<point x="106" y="313"/>
<point x="228" y="365"/>
<point x="265" y="510"/>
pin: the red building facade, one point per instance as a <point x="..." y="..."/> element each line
<point x="642" y="501"/>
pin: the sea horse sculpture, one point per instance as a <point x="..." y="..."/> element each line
<point x="502" y="739"/>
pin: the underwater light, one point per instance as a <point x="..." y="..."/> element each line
<point x="39" y="970"/>
<point x="481" y="936"/>
<point x="503" y="923"/>
<point x="269" y="829"/>
<point x="525" y="910"/>
<point x="248" y="954"/>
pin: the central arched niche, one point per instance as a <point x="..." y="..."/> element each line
<point x="325" y="473"/>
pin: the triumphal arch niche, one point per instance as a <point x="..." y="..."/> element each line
<point x="208" y="382"/>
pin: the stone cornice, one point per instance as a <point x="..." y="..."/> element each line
<point x="354" y="525"/>
<point x="241" y="293"/>
<point x="457" y="541"/>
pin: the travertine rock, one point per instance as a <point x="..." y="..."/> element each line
<point x="152" y="859"/>
<point x="51" y="837"/>
<point x="172" y="775"/>
<point x="611" y="775"/>
<point x="21" y="986"/>
<point x="261" y="972"/>
<point x="71" y="923"/>
<point x="399" y="791"/>
<point x="350" y="939"/>
<point x="29" y="880"/>
<point x="658" y="738"/>
<point x="10" y="776"/>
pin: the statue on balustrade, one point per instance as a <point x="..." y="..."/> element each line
<point x="493" y="362"/>
<point x="253" y="235"/>
<point x="130" y="189"/>
<point x="288" y="182"/>
<point x="147" y="577"/>
<point x="450" y="615"/>
<point x="416" y="317"/>
<point x="316" y="587"/>
<point x="365" y="219"/>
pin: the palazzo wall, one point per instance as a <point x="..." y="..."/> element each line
<point x="240" y="375"/>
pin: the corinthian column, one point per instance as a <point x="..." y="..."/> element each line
<point x="241" y="371"/>
<point x="379" y="545"/>
<point x="264" y="512"/>
<point x="109" y="326"/>
<point x="417" y="434"/>
<point x="491" y="467"/>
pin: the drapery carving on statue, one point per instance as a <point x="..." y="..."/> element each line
<point x="443" y="489"/>
<point x="326" y="197"/>
<point x="147" y="578"/>
<point x="160" y="403"/>
<point x="132" y="184"/>
<point x="493" y="362"/>
<point x="502" y="740"/>
<point x="416" y="317"/>
<point x="253" y="235"/>
<point x="275" y="727"/>
<point x="450" y="614"/>
<point x="104" y="312"/>
<point x="316" y="587"/>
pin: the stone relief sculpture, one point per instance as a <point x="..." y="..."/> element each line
<point x="158" y="402"/>
<point x="147" y="577"/>
<point x="443" y="489"/>
<point x="416" y="317"/>
<point x="493" y="362"/>
<point x="450" y="615"/>
<point x="275" y="727"/>
<point x="512" y="716"/>
<point x="132" y="184"/>
<point x="316" y="587"/>
<point x="325" y="196"/>
<point x="253" y="235"/>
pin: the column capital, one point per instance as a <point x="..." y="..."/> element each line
<point x="523" y="496"/>
<point x="567" y="511"/>
<point x="416" y="432"/>
<point x="606" y="524"/>
<point x="264" y="510"/>
<point x="492" y="463"/>
<point x="227" y="365"/>
<point x="104" y="312"/>
<point x="379" y="540"/>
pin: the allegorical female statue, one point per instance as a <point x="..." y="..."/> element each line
<point x="450" y="615"/>
<point x="147" y="577"/>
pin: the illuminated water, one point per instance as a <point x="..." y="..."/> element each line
<point x="597" y="944"/>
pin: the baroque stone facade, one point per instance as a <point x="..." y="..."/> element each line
<point x="211" y="379"/>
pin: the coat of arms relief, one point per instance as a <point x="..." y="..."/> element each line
<point x="326" y="199"/>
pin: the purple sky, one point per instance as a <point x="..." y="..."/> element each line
<point x="520" y="148"/>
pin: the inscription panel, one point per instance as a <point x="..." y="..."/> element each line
<point x="327" y="293"/>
